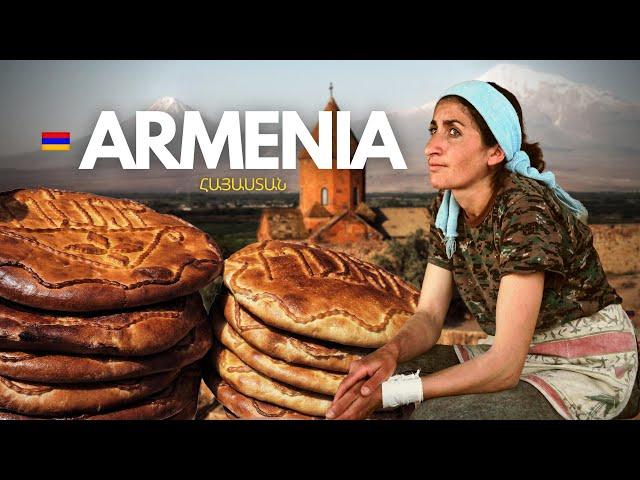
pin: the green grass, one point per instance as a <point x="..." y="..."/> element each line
<point x="231" y="235"/>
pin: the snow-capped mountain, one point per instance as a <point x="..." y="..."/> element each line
<point x="528" y="84"/>
<point x="587" y="134"/>
<point x="170" y="105"/>
<point x="550" y="100"/>
<point x="173" y="107"/>
<point x="582" y="112"/>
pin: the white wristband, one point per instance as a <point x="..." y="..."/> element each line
<point x="402" y="390"/>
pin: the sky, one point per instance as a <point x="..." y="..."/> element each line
<point x="37" y="96"/>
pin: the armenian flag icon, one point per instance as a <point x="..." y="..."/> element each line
<point x="56" y="141"/>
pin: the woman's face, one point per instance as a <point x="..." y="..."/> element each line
<point x="456" y="156"/>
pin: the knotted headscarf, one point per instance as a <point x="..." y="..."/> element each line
<point x="503" y="122"/>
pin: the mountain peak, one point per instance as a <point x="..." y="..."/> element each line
<point x="170" y="105"/>
<point x="528" y="84"/>
<point x="521" y="77"/>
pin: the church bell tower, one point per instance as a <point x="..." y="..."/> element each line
<point x="329" y="192"/>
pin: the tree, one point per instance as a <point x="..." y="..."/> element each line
<point x="407" y="259"/>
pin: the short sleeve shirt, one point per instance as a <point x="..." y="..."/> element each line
<point x="524" y="229"/>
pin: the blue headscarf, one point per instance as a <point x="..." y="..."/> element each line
<point x="503" y="122"/>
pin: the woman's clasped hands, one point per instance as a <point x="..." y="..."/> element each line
<point x="360" y="393"/>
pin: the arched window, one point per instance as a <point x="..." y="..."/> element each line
<point x="324" y="196"/>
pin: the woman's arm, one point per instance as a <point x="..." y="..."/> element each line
<point x="421" y="332"/>
<point x="416" y="336"/>
<point x="518" y="305"/>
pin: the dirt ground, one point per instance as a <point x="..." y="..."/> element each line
<point x="628" y="287"/>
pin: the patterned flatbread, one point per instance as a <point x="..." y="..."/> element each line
<point x="80" y="252"/>
<point x="133" y="332"/>
<point x="176" y="402"/>
<point x="244" y="407"/>
<point x="60" y="368"/>
<point x="40" y="399"/>
<point x="255" y="385"/>
<point x="286" y="346"/>
<point x="320" y="293"/>
<point x="187" y="413"/>
<point x="307" y="378"/>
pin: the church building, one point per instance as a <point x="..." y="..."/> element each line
<point x="332" y="207"/>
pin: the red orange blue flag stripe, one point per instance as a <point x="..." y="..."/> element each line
<point x="55" y="141"/>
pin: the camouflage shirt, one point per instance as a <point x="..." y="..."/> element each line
<point x="523" y="229"/>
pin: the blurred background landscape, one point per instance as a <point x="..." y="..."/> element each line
<point x="585" y="114"/>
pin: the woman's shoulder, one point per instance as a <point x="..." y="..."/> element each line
<point x="524" y="196"/>
<point x="518" y="187"/>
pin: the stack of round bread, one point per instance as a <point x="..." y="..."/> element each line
<point x="100" y="315"/>
<point x="293" y="319"/>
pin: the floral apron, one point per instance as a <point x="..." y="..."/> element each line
<point x="585" y="368"/>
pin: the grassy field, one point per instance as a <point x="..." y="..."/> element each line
<point x="230" y="236"/>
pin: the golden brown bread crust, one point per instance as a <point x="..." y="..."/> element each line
<point x="320" y="293"/>
<point x="59" y="368"/>
<point x="215" y="412"/>
<point x="256" y="385"/>
<point x="187" y="413"/>
<point x="230" y="415"/>
<point x="244" y="407"/>
<point x="176" y="402"/>
<point x="81" y="252"/>
<point x="180" y="395"/>
<point x="141" y="331"/>
<point x="287" y="346"/>
<point x="307" y="378"/>
<point x="40" y="399"/>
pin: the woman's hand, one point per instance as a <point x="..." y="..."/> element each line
<point x="417" y="335"/>
<point x="354" y="406"/>
<point x="365" y="376"/>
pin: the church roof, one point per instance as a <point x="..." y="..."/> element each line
<point x="338" y="218"/>
<point x="366" y="212"/>
<point x="318" y="211"/>
<point x="331" y="106"/>
<point x="284" y="223"/>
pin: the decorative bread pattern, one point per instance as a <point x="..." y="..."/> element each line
<point x="176" y="402"/>
<point x="73" y="251"/>
<point x="59" y="368"/>
<point x="136" y="332"/>
<point x="286" y="346"/>
<point x="320" y="293"/>
<point x="256" y="385"/>
<point x="180" y="398"/>
<point x="61" y="400"/>
<point x="244" y="407"/>
<point x="307" y="378"/>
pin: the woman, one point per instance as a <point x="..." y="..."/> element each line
<point x="522" y="257"/>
